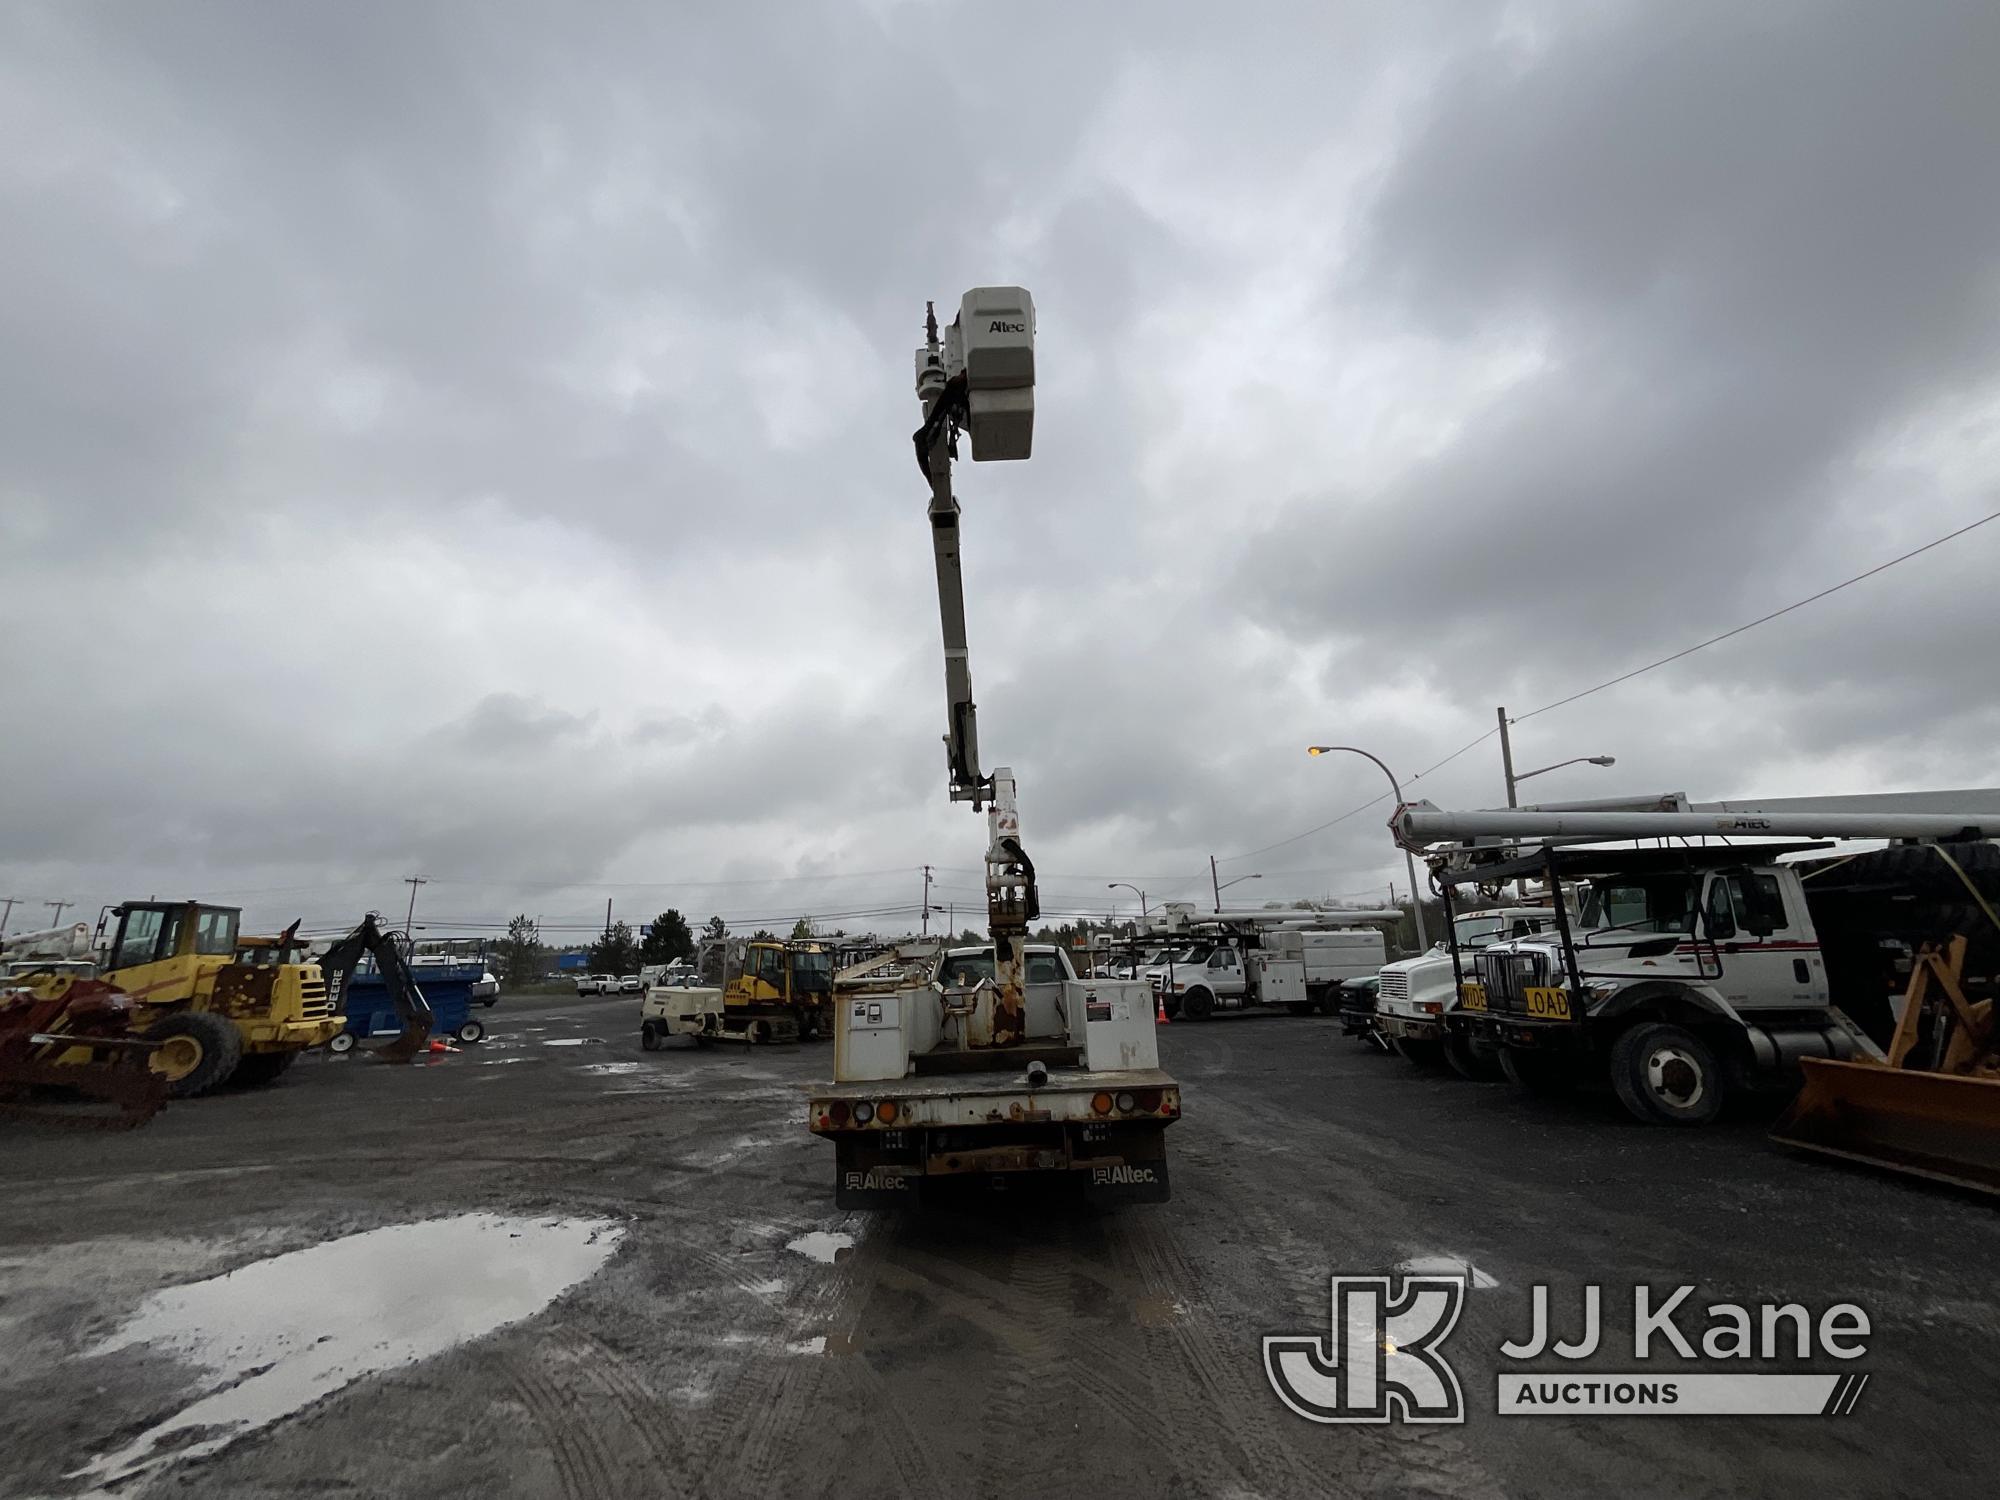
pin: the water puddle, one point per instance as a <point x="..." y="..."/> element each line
<point x="499" y="1062"/>
<point x="617" y="1067"/>
<point x="824" y="1246"/>
<point x="1157" y="1310"/>
<point x="274" y="1336"/>
<point x="573" y="1041"/>
<point x="1446" y="1265"/>
<point x="813" y="1345"/>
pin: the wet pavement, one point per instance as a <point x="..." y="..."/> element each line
<point x="601" y="1271"/>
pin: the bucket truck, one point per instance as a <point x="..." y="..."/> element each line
<point x="996" y="1062"/>
<point x="1262" y="956"/>
<point x="1686" y="971"/>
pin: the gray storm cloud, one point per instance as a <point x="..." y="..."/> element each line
<point x="473" y="440"/>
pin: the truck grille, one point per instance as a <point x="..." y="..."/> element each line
<point x="1395" y="986"/>
<point x="1506" y="975"/>
<point x="315" y="1004"/>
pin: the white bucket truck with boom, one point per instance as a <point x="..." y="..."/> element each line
<point x="1291" y="956"/>
<point x="1691" y="970"/>
<point x="998" y="1061"/>
<point x="1415" y="993"/>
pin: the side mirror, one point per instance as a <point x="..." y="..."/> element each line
<point x="1720" y="924"/>
<point x="1758" y="926"/>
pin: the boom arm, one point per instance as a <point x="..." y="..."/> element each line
<point x="1011" y="899"/>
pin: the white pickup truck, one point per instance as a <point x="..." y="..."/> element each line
<point x="1417" y="993"/>
<point x="921" y="1094"/>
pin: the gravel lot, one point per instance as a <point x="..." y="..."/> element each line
<point x="717" y="1328"/>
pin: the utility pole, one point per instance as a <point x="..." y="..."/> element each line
<point x="4" y="915"/>
<point x="927" y="900"/>
<point x="1507" y="757"/>
<point x="57" y="907"/>
<point x="607" y="916"/>
<point x="1213" y="879"/>
<point x="410" y="918"/>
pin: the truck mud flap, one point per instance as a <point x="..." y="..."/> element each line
<point x="1127" y="1166"/>
<point x="882" y="1171"/>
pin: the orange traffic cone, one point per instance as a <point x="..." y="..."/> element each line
<point x="1160" y="1008"/>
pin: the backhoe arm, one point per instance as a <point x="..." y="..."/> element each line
<point x="338" y="963"/>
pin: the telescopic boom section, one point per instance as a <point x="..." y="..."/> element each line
<point x="1011" y="901"/>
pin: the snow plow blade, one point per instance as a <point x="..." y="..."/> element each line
<point x="1944" y="1126"/>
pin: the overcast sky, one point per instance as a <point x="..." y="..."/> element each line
<point x="472" y="440"/>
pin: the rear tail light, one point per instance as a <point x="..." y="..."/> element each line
<point x="1100" y="1104"/>
<point x="837" y="1112"/>
<point x="1127" y="1103"/>
<point x="886" y="1112"/>
<point x="863" y="1112"/>
<point x="1149" y="1099"/>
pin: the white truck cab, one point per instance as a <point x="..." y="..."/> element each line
<point x="1416" y="993"/>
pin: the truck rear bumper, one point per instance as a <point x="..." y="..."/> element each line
<point x="1111" y="1163"/>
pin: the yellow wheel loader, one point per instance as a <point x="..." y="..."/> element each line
<point x="213" y="1010"/>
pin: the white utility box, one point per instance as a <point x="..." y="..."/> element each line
<point x="868" y="1041"/>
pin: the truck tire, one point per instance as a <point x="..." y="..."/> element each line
<point x="1470" y="1059"/>
<point x="202" y="1049"/>
<point x="260" y="1068"/>
<point x="649" y="1036"/>
<point x="1665" y="1075"/>
<point x="1536" y="1073"/>
<point x="1199" y="1004"/>
<point x="1422" y="1054"/>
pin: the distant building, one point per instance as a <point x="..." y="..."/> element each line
<point x="565" y="962"/>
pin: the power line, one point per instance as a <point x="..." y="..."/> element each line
<point x="1760" y="620"/>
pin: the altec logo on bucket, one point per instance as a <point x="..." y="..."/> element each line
<point x="1381" y="1362"/>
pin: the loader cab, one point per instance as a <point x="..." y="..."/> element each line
<point x="158" y="932"/>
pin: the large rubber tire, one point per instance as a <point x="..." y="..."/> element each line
<point x="1534" y="1073"/>
<point x="1471" y="1060"/>
<point x="1198" y="1003"/>
<point x="1422" y="1054"/>
<point x="260" y="1068"/>
<point x="342" y="1042"/>
<point x="471" y="1031"/>
<point x="1665" y="1075"/>
<point x="203" y="1050"/>
<point x="649" y="1036"/>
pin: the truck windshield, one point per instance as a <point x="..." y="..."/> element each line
<point x="1657" y="903"/>
<point x="963" y="970"/>
<point x="1477" y="932"/>
<point x="814" y="971"/>
<point x="1198" y="954"/>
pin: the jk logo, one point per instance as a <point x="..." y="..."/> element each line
<point x="1379" y="1362"/>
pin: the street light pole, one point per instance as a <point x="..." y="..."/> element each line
<point x="1507" y="758"/>
<point x="1409" y="859"/>
<point x="1127" y="885"/>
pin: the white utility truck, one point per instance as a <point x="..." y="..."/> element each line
<point x="997" y="1062"/>
<point x="1415" y="993"/>
<point x="1289" y="956"/>
<point x="1691" y="970"/>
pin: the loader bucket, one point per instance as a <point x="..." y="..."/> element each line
<point x="1945" y="1126"/>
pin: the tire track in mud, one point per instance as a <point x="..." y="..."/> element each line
<point x="1216" y="1413"/>
<point x="1434" y="1459"/>
<point x="582" y="1462"/>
